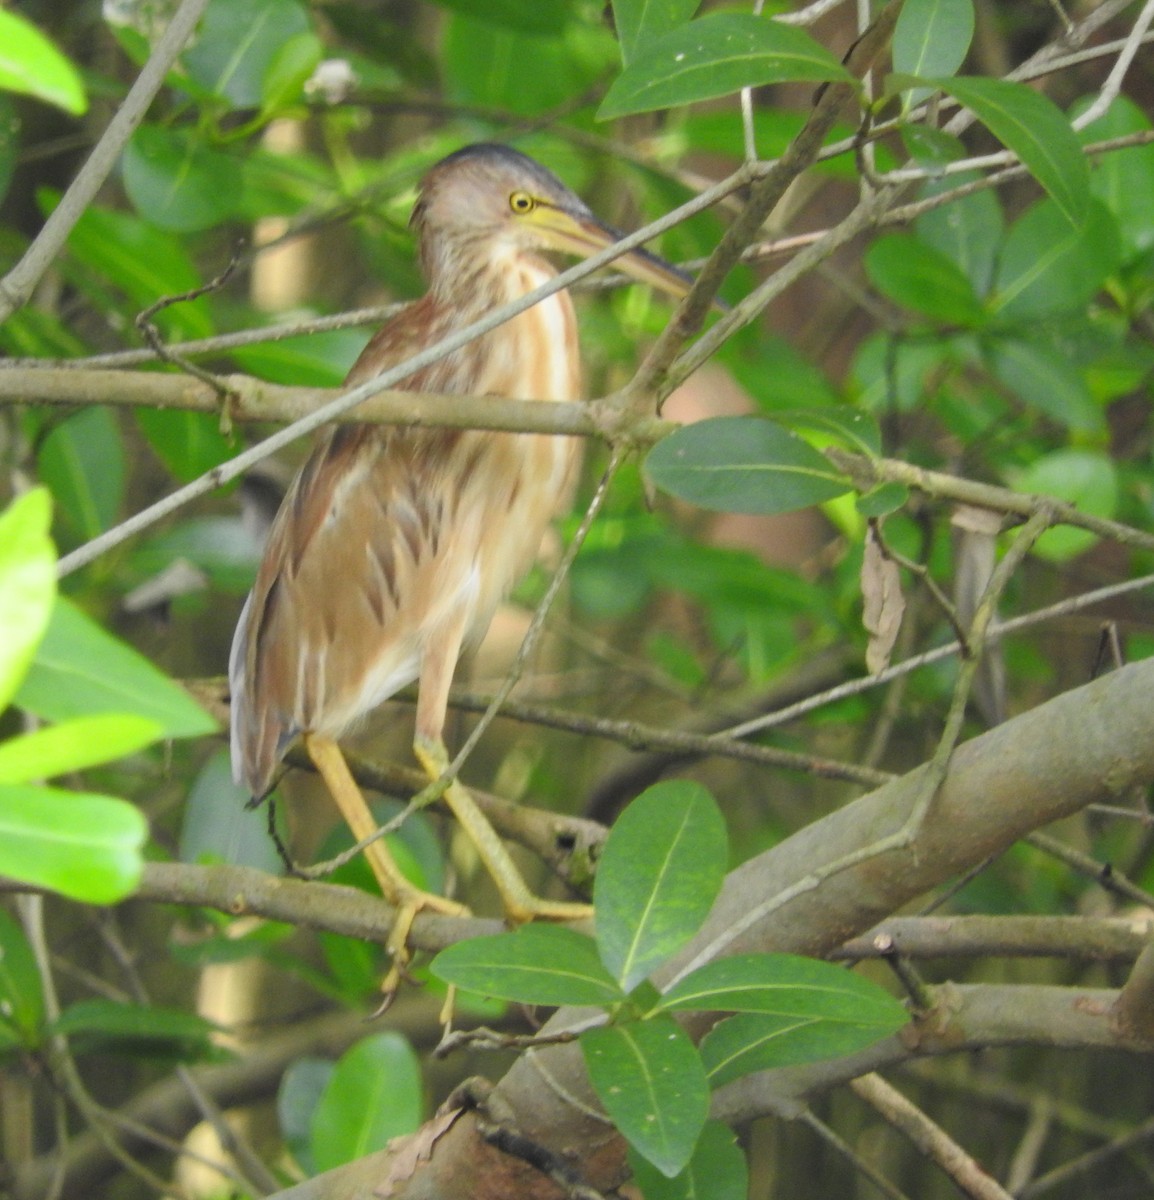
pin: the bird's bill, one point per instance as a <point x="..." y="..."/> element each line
<point x="584" y="235"/>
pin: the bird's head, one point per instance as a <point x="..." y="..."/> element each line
<point x="490" y="200"/>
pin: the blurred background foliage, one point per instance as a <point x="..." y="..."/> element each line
<point x="989" y="338"/>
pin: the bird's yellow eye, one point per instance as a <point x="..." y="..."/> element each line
<point x="522" y="202"/>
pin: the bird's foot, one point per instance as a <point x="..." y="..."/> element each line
<point x="409" y="901"/>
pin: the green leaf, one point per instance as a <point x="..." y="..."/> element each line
<point x="540" y="17"/>
<point x="743" y="464"/>
<point x="9" y="143"/>
<point x="82" y="461"/>
<point x="639" y="21"/>
<point x="920" y="278"/>
<point x="1034" y="128"/>
<point x="761" y="1041"/>
<point x="715" y="56"/>
<point x="188" y="443"/>
<point x="73" y="746"/>
<point x="660" y="871"/>
<point x="291" y="68"/>
<point x="1123" y="179"/>
<point x="27" y="585"/>
<point x="840" y="422"/>
<point x="650" y="1080"/>
<point x="932" y="37"/>
<point x="1047" y="382"/>
<point x="237" y="41"/>
<point x="717" y="1170"/>
<point x="79" y="670"/>
<point x="1046" y="266"/>
<point x="374" y="1095"/>
<point x="84" y="846"/>
<point x="300" y="1091"/>
<point x="882" y="500"/>
<point x="177" y="182"/>
<point x="120" y="1027"/>
<point x="968" y="231"/>
<point x="31" y="64"/>
<point x="1083" y="477"/>
<point x="218" y="825"/>
<point x="21" y="996"/>
<point x="536" y="964"/>
<point x="787" y="985"/>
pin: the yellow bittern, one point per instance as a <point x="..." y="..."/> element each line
<point x="393" y="547"/>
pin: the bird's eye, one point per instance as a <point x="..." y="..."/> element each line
<point x="522" y="202"/>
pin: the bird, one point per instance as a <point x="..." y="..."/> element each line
<point x="393" y="546"/>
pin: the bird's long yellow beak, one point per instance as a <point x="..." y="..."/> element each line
<point x="582" y="234"/>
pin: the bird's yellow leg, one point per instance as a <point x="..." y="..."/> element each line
<point x="520" y="903"/>
<point x="408" y="898"/>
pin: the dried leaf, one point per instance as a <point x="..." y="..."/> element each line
<point x="883" y="602"/>
<point x="413" y="1150"/>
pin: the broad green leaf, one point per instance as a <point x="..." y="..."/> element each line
<point x="300" y="1091"/>
<point x="968" y="231"/>
<point x="73" y="746"/>
<point x="219" y="826"/>
<point x="79" y="670"/>
<point x="224" y="548"/>
<point x="1046" y="381"/>
<point x="84" y="846"/>
<point x="116" y="1026"/>
<point x="27" y="585"/>
<point x="639" y="21"/>
<point x="82" y="461"/>
<point x="1084" y="478"/>
<point x="374" y="1095"/>
<point x="236" y="42"/>
<point x="537" y="17"/>
<point x="760" y="1041"/>
<point x="715" y="56"/>
<point x="189" y="443"/>
<point x="919" y="278"/>
<point x="932" y="37"/>
<point x="536" y="964"/>
<point x="717" y="1170"/>
<point x="176" y="181"/>
<point x="31" y="64"/>
<point x="650" y="1079"/>
<point x="1034" y="128"/>
<point x="788" y="985"/>
<point x="291" y="68"/>
<point x="839" y="422"/>
<point x="1047" y="266"/>
<point x="743" y="464"/>
<point x="659" y="873"/>
<point x="21" y="996"/>
<point x="1123" y="179"/>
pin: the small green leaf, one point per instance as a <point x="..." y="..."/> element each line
<point x="638" y="22"/>
<point x="79" y="670"/>
<point x="177" y="182"/>
<point x="300" y="1091"/>
<point x="1034" y="128"/>
<point x="27" y="585"/>
<point x="73" y="746"/>
<point x="715" y="56"/>
<point x="536" y="964"/>
<point x="717" y="1170"/>
<point x="291" y="67"/>
<point x="84" y="846"/>
<point x="1046" y="381"/>
<point x="743" y="464"/>
<point x="1123" y="179"/>
<point x="660" y="871"/>
<point x="82" y="461"/>
<point x="1047" y="266"/>
<point x="1083" y="477"/>
<point x="788" y="985"/>
<point x="920" y="278"/>
<point x="886" y="498"/>
<point x="31" y="64"/>
<point x="761" y="1041"/>
<point x="968" y="230"/>
<point x="649" y="1077"/>
<point x="932" y="37"/>
<point x="21" y="996"/>
<point x="374" y="1095"/>
<point x="850" y="426"/>
<point x="115" y="1026"/>
<point x="188" y="443"/>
